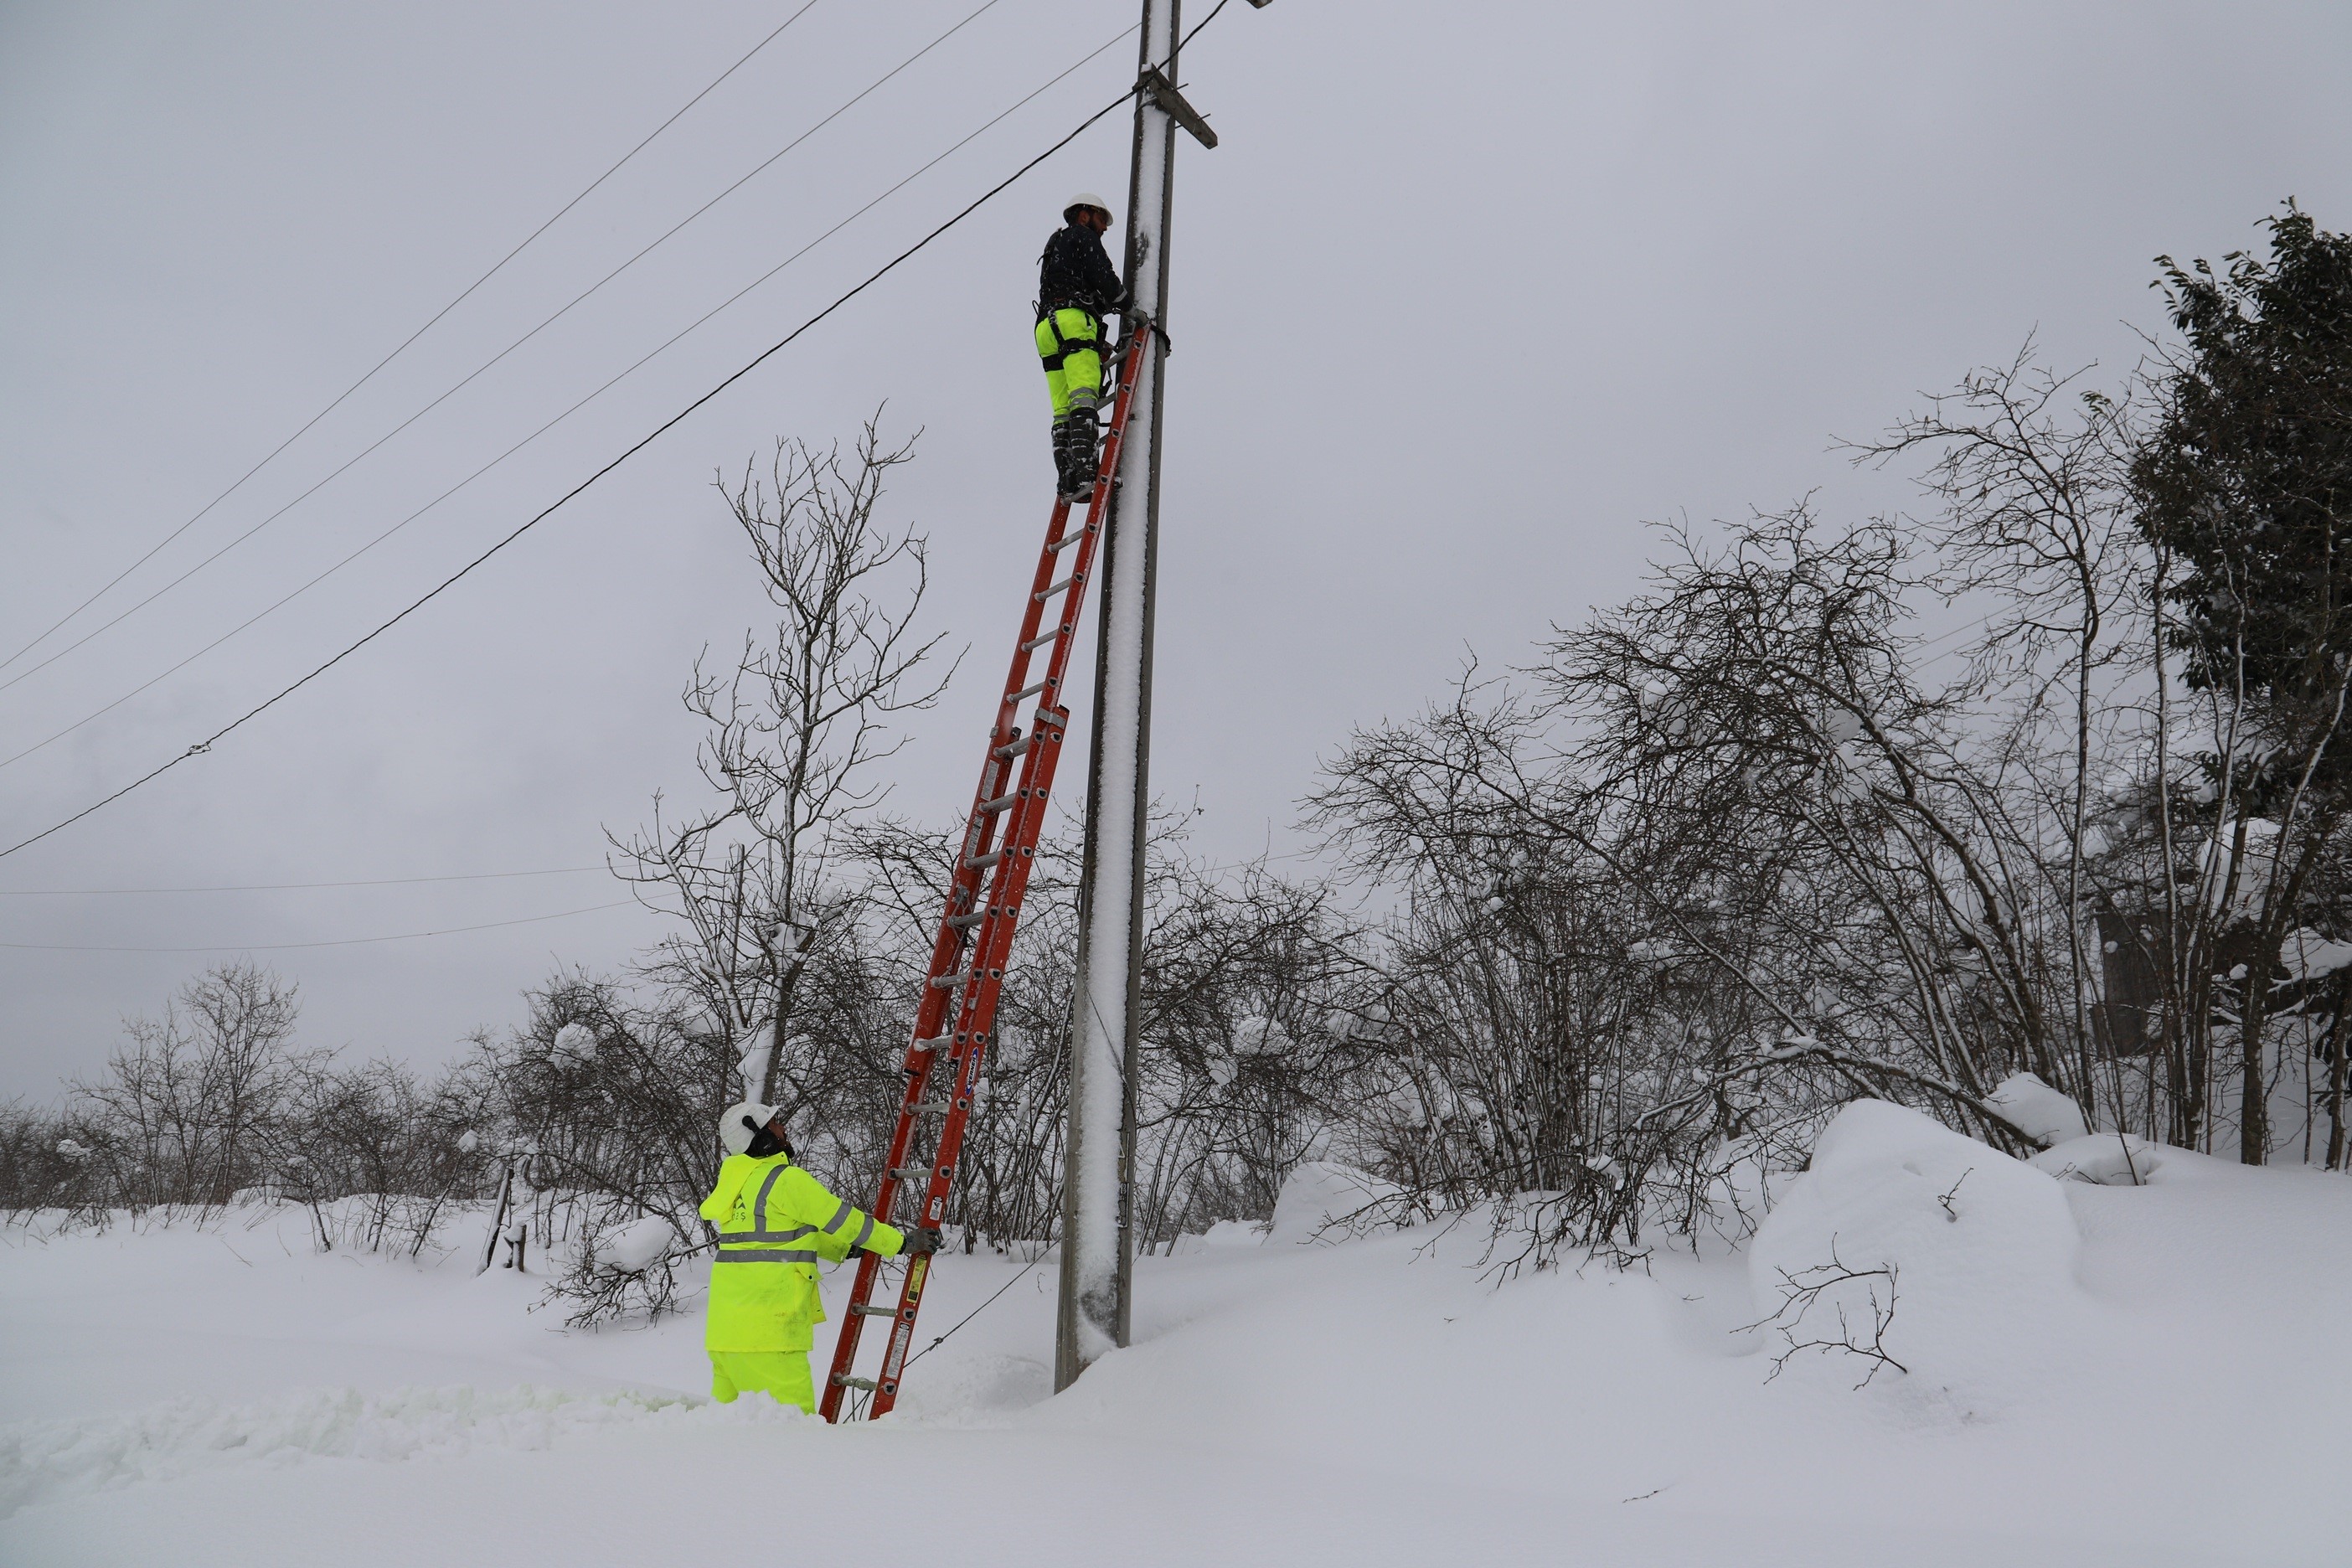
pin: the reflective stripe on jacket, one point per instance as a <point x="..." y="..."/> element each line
<point x="775" y="1222"/>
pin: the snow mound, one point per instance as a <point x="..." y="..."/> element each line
<point x="2110" y="1158"/>
<point x="42" y="1460"/>
<point x="1232" y="1233"/>
<point x="1324" y="1202"/>
<point x="954" y="1392"/>
<point x="635" y="1246"/>
<point x="2038" y="1111"/>
<point x="2308" y="955"/>
<point x="1911" y="1256"/>
<point x="1224" y="1233"/>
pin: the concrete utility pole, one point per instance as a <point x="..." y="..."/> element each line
<point x="1097" y="1251"/>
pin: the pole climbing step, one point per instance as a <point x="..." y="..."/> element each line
<point x="997" y="852"/>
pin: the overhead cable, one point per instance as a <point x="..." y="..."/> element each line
<point x="401" y="348"/>
<point x="292" y="887"/>
<point x="207" y="745"/>
<point x="487" y="364"/>
<point x="340" y="942"/>
<point x="660" y="349"/>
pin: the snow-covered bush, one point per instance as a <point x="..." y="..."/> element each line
<point x="636" y="1247"/>
<point x="1912" y="1250"/>
<point x="574" y="1043"/>
<point x="2036" y="1109"/>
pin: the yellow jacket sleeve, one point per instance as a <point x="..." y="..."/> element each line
<point x="842" y="1227"/>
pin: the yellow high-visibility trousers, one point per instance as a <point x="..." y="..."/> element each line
<point x="782" y="1376"/>
<point x="1070" y="343"/>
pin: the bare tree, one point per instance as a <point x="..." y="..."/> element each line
<point x="198" y="1103"/>
<point x="2036" y="512"/>
<point x="795" y="726"/>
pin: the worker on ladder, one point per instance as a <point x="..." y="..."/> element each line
<point x="1077" y="288"/>
<point x="775" y="1221"/>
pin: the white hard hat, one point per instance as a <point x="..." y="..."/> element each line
<point x="741" y="1122"/>
<point x="1084" y="199"/>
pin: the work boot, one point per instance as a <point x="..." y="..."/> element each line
<point x="1063" y="478"/>
<point x="1077" y="456"/>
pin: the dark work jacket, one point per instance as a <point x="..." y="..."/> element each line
<point x="1075" y="273"/>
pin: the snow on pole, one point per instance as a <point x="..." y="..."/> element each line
<point x="1094" y="1307"/>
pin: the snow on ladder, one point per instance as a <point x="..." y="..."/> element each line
<point x="958" y="1014"/>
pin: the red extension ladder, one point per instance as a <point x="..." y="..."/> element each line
<point x="983" y="905"/>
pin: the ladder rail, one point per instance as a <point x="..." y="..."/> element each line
<point x="990" y="876"/>
<point x="974" y="1021"/>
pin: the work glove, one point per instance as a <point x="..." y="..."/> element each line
<point x="919" y="1242"/>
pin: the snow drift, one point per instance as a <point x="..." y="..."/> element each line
<point x="2152" y="1374"/>
<point x="1323" y="1202"/>
<point x="1908" y="1250"/>
<point x="44" y="1460"/>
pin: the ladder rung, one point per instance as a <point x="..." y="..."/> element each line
<point x="1002" y="802"/>
<point x="982" y="862"/>
<point x="1066" y="540"/>
<point x="934" y="1106"/>
<point x="1042" y="594"/>
<point x="1025" y="693"/>
<point x="843" y="1380"/>
<point x="965" y="922"/>
<point x="949" y="981"/>
<point x="865" y="1310"/>
<point x="1013" y="749"/>
<point x="1034" y="644"/>
<point x="910" y="1173"/>
<point x="931" y="1042"/>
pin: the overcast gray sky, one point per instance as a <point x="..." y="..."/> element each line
<point x="1468" y="294"/>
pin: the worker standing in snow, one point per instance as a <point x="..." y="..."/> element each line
<point x="775" y="1221"/>
<point x="1077" y="288"/>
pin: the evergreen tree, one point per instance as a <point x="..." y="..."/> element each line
<point x="2246" y="482"/>
<point x="2244" y="487"/>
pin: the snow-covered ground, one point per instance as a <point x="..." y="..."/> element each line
<point x="2144" y="1376"/>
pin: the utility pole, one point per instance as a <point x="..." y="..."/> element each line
<point x="1098" y="1249"/>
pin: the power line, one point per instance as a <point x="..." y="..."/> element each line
<point x="340" y="942"/>
<point x="1001" y="1289"/>
<point x="292" y="887"/>
<point x="483" y="367"/>
<point x="660" y="349"/>
<point x="402" y="348"/>
<point x="210" y="741"/>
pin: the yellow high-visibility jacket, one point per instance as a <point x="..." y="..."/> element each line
<point x="775" y="1221"/>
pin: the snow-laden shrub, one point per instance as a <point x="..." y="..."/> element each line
<point x="1257" y="1035"/>
<point x="2036" y="1109"/>
<point x="635" y="1247"/>
<point x="618" y="1263"/>
<point x="1911" y="1252"/>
